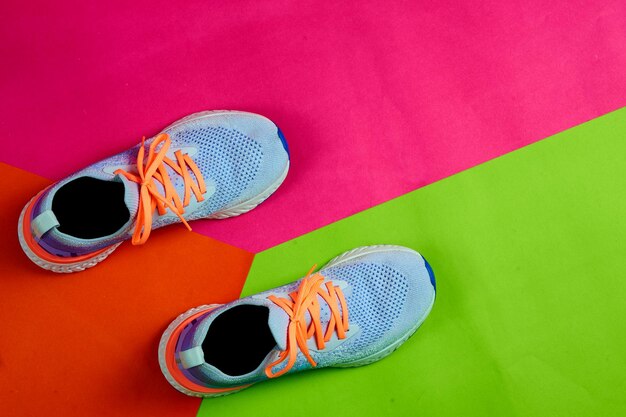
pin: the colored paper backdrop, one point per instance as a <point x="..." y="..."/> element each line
<point x="528" y="254"/>
<point x="377" y="101"/>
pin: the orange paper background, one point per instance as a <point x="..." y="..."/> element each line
<point x="86" y="343"/>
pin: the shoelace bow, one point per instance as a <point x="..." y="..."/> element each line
<point x="303" y="300"/>
<point x="155" y="169"/>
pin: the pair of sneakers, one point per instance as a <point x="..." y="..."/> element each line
<point x="355" y="310"/>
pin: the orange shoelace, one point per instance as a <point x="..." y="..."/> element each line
<point x="155" y="169"/>
<point x="303" y="300"/>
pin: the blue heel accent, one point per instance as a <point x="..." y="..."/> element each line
<point x="431" y="274"/>
<point x="282" y="139"/>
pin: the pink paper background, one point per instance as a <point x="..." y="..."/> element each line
<point x="375" y="98"/>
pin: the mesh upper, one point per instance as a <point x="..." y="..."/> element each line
<point x="390" y="293"/>
<point x="377" y="302"/>
<point x="227" y="159"/>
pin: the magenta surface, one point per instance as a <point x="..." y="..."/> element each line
<point x="375" y="98"/>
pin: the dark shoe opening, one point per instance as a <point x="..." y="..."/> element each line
<point x="89" y="208"/>
<point x="238" y="340"/>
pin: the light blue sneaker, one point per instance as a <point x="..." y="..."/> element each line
<point x="213" y="164"/>
<point x="356" y="310"/>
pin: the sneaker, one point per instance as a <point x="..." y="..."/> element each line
<point x="213" y="164"/>
<point x="356" y="310"/>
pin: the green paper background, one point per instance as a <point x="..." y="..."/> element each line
<point x="530" y="317"/>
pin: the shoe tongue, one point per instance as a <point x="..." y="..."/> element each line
<point x="278" y="323"/>
<point x="131" y="195"/>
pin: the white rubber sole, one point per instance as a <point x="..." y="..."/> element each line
<point x="236" y="210"/>
<point x="366" y="250"/>
<point x="210" y="113"/>
<point x="343" y="258"/>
